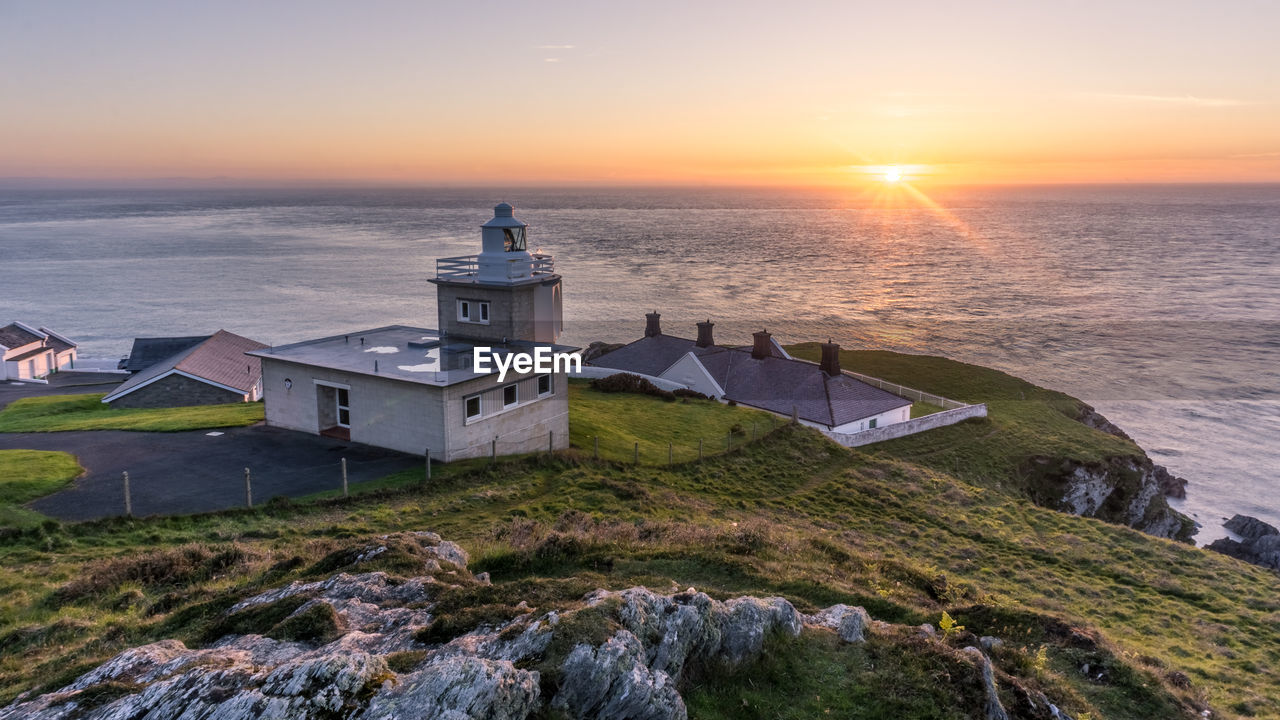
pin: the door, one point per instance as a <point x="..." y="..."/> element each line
<point x="344" y="408"/>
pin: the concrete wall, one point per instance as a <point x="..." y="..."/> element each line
<point x="384" y="412"/>
<point x="177" y="391"/>
<point x="531" y="426"/>
<point x="513" y="310"/>
<point x="29" y="368"/>
<point x="910" y="427"/>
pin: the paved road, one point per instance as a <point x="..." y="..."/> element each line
<point x="186" y="472"/>
<point x="63" y="383"/>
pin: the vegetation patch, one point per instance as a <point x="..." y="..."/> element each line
<point x="54" y="413"/>
<point x="174" y="566"/>
<point x="317" y="624"/>
<point x="457" y="623"/>
<point x="29" y="474"/>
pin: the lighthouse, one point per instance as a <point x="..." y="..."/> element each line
<point x="503" y="293"/>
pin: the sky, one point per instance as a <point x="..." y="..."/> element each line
<point x="769" y="93"/>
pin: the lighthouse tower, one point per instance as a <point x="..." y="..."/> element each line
<point x="505" y="292"/>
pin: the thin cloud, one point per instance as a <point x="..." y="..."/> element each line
<point x="1257" y="155"/>
<point x="550" y="59"/>
<point x="1174" y="100"/>
<point x="554" y="47"/>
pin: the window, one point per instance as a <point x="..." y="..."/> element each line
<point x="344" y="408"/>
<point x="871" y="425"/>
<point x="513" y="239"/>
<point x="473" y="407"/>
<point x="510" y="395"/>
<point x="544" y="385"/>
<point x="473" y="311"/>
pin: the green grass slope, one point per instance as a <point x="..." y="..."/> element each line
<point x="28" y="474"/>
<point x="55" y="413"/>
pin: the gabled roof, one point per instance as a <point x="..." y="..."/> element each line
<point x="58" y="341"/>
<point x="777" y="384"/>
<point x="218" y="360"/>
<point x="149" y="351"/>
<point x="15" y="335"/>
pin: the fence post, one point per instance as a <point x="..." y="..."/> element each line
<point x="795" y="414"/>
<point x="493" y="450"/>
<point x="428" y="462"/>
<point x="248" y="490"/>
<point x="668" y="453"/>
<point x="344" y="478"/>
<point x="128" y="499"/>
<point x="699" y="449"/>
<point x="753" y="432"/>
<point x="728" y="441"/>
<point x="636" y="457"/>
<point x="597" y="450"/>
<point x="551" y="441"/>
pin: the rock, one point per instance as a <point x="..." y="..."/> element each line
<point x="1261" y="550"/>
<point x="1125" y="490"/>
<point x="850" y="623"/>
<point x="990" y="643"/>
<point x="613" y="681"/>
<point x="994" y="710"/>
<point x="1249" y="527"/>
<point x="927" y="630"/>
<point x="344" y="672"/>
<point x="1170" y="484"/>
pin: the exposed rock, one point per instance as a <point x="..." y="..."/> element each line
<point x="850" y="623"/>
<point x="990" y="643"/>
<point x="1171" y="485"/>
<point x="994" y="710"/>
<point x="1095" y="420"/>
<point x="1247" y="526"/>
<point x="1262" y="550"/>
<point x="1125" y="490"/>
<point x="633" y="672"/>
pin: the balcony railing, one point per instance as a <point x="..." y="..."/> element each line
<point x="466" y="268"/>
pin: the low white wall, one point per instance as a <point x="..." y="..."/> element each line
<point x="910" y="427"/>
<point x="592" y="372"/>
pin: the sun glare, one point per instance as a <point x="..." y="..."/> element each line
<point x="892" y="174"/>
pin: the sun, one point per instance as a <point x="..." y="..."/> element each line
<point x="892" y="174"/>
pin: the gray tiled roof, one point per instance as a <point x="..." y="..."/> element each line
<point x="14" y="336"/>
<point x="149" y="351"/>
<point x="771" y="383"/>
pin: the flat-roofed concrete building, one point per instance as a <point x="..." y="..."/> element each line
<point x="416" y="389"/>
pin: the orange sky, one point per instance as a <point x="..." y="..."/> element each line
<point x="732" y="93"/>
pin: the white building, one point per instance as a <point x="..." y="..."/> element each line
<point x="762" y="376"/>
<point x="28" y="353"/>
<point x="415" y="389"/>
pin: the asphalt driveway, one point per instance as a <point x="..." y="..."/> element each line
<point x="198" y="471"/>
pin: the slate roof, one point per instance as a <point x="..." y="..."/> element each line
<point x="219" y="358"/>
<point x="56" y="341"/>
<point x="772" y="383"/>
<point x="149" y="351"/>
<point x="14" y="335"/>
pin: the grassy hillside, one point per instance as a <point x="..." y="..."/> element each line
<point x="1164" y="628"/>
<point x="28" y="474"/>
<point x="54" y="413"/>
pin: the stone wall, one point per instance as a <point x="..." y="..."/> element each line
<point x="177" y="391"/>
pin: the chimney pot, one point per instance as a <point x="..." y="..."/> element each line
<point x="830" y="358"/>
<point x="652" y="327"/>
<point x="704" y="333"/>
<point x="761" y="349"/>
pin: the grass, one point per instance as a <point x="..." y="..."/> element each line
<point x="28" y="474"/>
<point x="920" y="409"/>
<point x="620" y="420"/>
<point x="54" y="413"/>
<point x="792" y="515"/>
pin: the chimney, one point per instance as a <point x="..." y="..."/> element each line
<point x="761" y="349"/>
<point x="704" y="333"/>
<point x="651" y="326"/>
<point x="830" y="358"/>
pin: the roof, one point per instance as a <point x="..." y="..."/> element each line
<point x="15" y="335"/>
<point x="219" y="359"/>
<point x="773" y="383"/>
<point x="149" y="351"/>
<point x="29" y="354"/>
<point x="400" y="352"/>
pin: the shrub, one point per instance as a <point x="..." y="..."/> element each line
<point x="178" y="566"/>
<point x="629" y="383"/>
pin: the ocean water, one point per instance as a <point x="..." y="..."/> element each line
<point x="1159" y="305"/>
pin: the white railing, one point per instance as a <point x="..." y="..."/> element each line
<point x="909" y="393"/>
<point x="467" y="267"/>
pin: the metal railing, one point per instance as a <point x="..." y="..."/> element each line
<point x="467" y="267"/>
<point x="909" y="393"/>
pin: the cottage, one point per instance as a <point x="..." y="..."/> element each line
<point x="31" y="354"/>
<point x="416" y="389"/>
<point x="761" y="375"/>
<point x="212" y="371"/>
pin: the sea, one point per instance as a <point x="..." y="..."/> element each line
<point x="1158" y="305"/>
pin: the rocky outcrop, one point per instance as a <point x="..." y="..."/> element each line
<point x="1124" y="490"/>
<point x="1170" y="485"/>
<point x="614" y="654"/>
<point x="1259" y="544"/>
